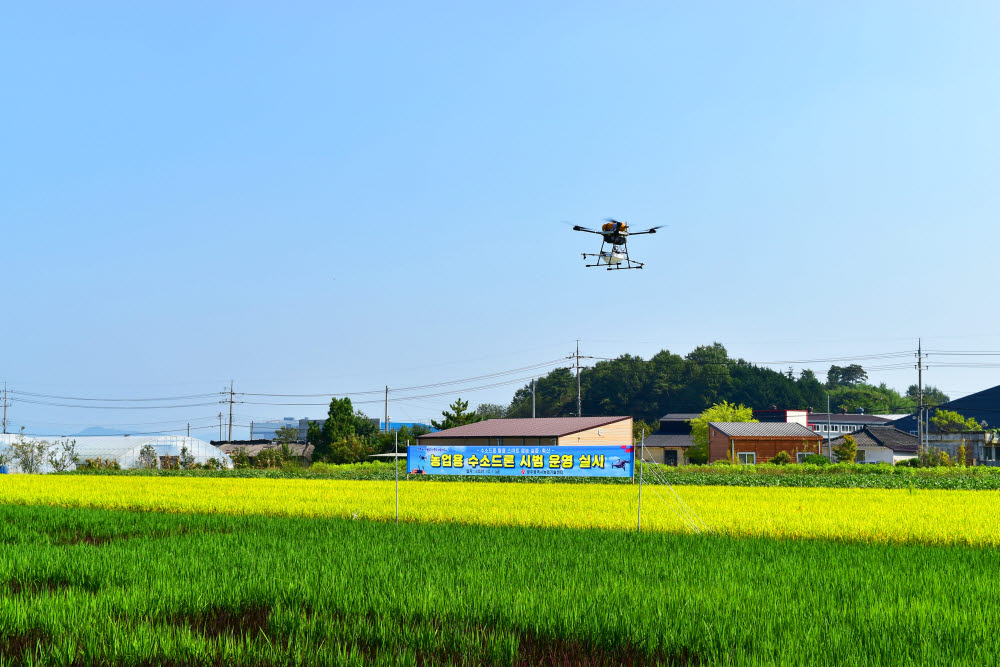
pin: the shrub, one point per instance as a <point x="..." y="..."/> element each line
<point x="29" y="454"/>
<point x="186" y="458"/>
<point x="724" y="462"/>
<point x="781" y="458"/>
<point x="146" y="458"/>
<point x="847" y="450"/>
<point x="99" y="464"/>
<point x="816" y="460"/>
<point x="240" y="459"/>
<point x="65" y="457"/>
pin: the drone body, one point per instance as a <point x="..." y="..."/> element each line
<point x="614" y="233"/>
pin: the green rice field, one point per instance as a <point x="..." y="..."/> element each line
<point x="104" y="587"/>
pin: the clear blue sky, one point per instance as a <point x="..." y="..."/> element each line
<point x="339" y="196"/>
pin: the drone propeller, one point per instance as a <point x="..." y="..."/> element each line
<point x="578" y="228"/>
<point x="651" y="230"/>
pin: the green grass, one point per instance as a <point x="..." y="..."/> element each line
<point x="104" y="587"/>
<point x="880" y="476"/>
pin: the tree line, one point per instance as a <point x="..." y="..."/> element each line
<point x="669" y="382"/>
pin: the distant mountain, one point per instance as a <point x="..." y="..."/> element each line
<point x="100" y="430"/>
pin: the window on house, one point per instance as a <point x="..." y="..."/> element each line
<point x="835" y="429"/>
<point x="800" y="457"/>
<point x="990" y="453"/>
<point x="815" y="427"/>
<point x="747" y="458"/>
<point x="859" y="457"/>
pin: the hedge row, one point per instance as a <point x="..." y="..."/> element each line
<point x="842" y="475"/>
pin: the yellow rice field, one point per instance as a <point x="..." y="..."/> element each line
<point x="873" y="515"/>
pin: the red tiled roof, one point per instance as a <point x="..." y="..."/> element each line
<point x="543" y="427"/>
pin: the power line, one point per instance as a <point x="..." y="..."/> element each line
<point x="396" y="390"/>
<point x="110" y="400"/>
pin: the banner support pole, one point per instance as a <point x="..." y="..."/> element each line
<point x="396" y="461"/>
<point x="642" y="445"/>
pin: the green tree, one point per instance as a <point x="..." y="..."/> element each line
<point x="949" y="421"/>
<point x="29" y="454"/>
<point x="720" y="412"/>
<point x="147" y="457"/>
<point x="839" y="376"/>
<point x="933" y="396"/>
<point x="874" y="400"/>
<point x="386" y="442"/>
<point x="63" y="456"/>
<point x="186" y="459"/>
<point x="847" y="450"/>
<point x="458" y="416"/>
<point x="286" y="435"/>
<point x="314" y="435"/>
<point x="351" y="449"/>
<point x="340" y="421"/>
<point x="491" y="411"/>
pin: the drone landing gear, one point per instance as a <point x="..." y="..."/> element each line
<point x="615" y="260"/>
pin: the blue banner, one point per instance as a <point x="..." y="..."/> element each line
<point x="564" y="461"/>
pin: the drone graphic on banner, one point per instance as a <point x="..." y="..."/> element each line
<point x="566" y="461"/>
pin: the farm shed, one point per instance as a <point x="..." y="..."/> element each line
<point x="758" y="442"/>
<point x="667" y="448"/>
<point x="123" y="448"/>
<point x="881" y="444"/>
<point x="541" y="432"/>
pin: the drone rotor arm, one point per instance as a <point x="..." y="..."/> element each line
<point x="647" y="231"/>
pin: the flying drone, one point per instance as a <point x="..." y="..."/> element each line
<point x="614" y="233"/>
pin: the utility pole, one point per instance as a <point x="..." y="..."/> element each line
<point x="220" y="425"/>
<point x="230" y="411"/>
<point x="251" y="430"/>
<point x="532" y="402"/>
<point x="5" y="404"/>
<point x="829" y="428"/>
<point x="579" y="397"/>
<point x="921" y="427"/>
<point x="386" y="428"/>
<point x="189" y="429"/>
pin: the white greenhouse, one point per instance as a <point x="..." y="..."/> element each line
<point x="122" y="448"/>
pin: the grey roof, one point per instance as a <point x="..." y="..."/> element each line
<point x="848" y="418"/>
<point x="543" y="427"/>
<point x="764" y="430"/>
<point x="668" y="440"/>
<point x="882" y="436"/>
<point x="680" y="416"/>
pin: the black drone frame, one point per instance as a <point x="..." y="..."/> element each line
<point x="618" y="236"/>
